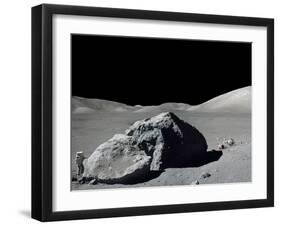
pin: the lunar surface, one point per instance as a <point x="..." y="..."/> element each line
<point x="224" y="121"/>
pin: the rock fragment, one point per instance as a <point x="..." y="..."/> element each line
<point x="230" y="142"/>
<point x="205" y="175"/>
<point x="196" y="182"/>
<point x="93" y="182"/>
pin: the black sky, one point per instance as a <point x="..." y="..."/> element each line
<point x="149" y="71"/>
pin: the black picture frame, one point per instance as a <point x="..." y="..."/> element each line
<point x="42" y="106"/>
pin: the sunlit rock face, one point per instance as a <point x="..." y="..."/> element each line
<point x="169" y="140"/>
<point x="117" y="160"/>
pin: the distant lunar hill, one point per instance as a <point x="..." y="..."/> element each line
<point x="164" y="107"/>
<point x="235" y="101"/>
<point x="85" y="105"/>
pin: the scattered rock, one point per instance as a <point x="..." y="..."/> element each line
<point x="230" y="142"/>
<point x="93" y="182"/>
<point x="82" y="180"/>
<point x="205" y="175"/>
<point x="196" y="182"/>
<point x="226" y="143"/>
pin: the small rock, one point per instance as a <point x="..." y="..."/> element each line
<point x="93" y="182"/>
<point x="82" y="180"/>
<point x="196" y="182"/>
<point x="230" y="142"/>
<point x="221" y="146"/>
<point x="205" y="175"/>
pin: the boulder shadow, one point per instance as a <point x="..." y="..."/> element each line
<point x="129" y="180"/>
<point x="142" y="178"/>
<point x="197" y="161"/>
<point x="136" y="178"/>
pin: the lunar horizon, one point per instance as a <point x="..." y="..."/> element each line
<point x="235" y="100"/>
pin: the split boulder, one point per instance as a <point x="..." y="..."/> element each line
<point x="151" y="144"/>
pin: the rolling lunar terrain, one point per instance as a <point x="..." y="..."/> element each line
<point x="226" y="117"/>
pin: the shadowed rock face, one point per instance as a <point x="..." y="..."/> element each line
<point x="169" y="140"/>
<point x="151" y="144"/>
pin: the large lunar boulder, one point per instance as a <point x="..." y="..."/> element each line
<point x="117" y="160"/>
<point x="170" y="141"/>
<point x="151" y="144"/>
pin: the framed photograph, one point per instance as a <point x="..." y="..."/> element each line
<point x="145" y="112"/>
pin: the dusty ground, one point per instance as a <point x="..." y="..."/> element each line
<point x="91" y="129"/>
